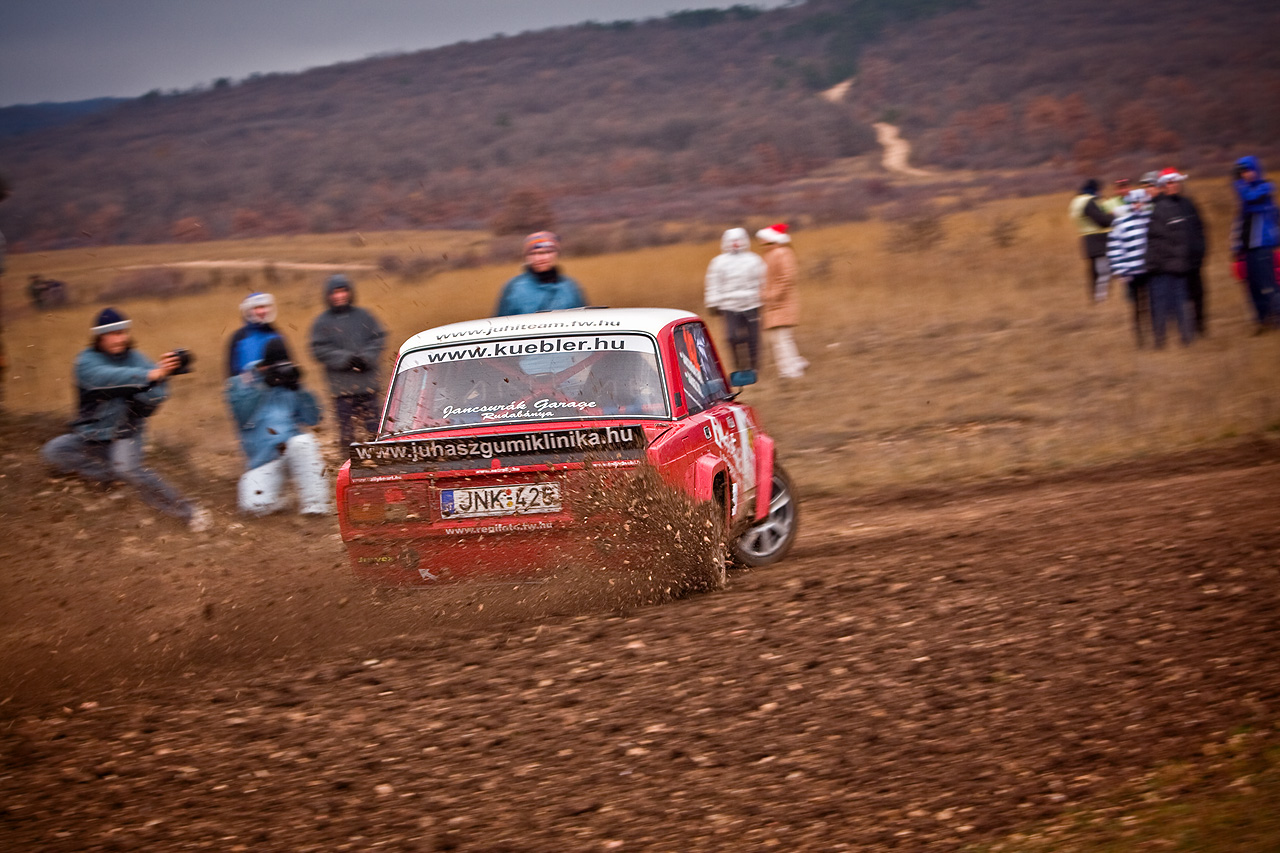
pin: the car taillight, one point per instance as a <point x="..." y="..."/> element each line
<point x="380" y="504"/>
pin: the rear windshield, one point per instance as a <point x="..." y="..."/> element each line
<point x="566" y="377"/>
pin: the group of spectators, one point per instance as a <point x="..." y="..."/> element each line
<point x="752" y="292"/>
<point x="118" y="388"/>
<point x="1153" y="237"/>
<point x="749" y="291"/>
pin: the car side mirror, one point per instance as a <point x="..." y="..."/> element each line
<point x="742" y="377"/>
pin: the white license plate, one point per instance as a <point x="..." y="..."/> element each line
<point x="500" y="500"/>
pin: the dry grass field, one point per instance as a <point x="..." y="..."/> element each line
<point x="953" y="658"/>
<point x="961" y="360"/>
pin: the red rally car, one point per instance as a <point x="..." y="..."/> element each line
<point x="503" y="440"/>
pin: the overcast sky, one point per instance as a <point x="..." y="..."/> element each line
<point x="68" y="50"/>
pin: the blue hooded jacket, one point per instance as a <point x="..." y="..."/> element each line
<point x="1258" y="225"/>
<point x="268" y="416"/>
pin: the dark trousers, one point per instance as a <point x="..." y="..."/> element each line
<point x="743" y="328"/>
<point x="1169" y="302"/>
<point x="1260" y="273"/>
<point x="356" y="411"/>
<point x="1195" y="292"/>
<point x="1140" y="296"/>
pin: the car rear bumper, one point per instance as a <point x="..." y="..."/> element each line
<point x="522" y="552"/>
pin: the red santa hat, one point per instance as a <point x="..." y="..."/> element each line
<point x="776" y="233"/>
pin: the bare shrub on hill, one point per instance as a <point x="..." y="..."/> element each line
<point x="1004" y="231"/>
<point x="154" y="283"/>
<point x="915" y="224"/>
<point x="523" y="211"/>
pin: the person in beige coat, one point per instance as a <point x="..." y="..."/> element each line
<point x="781" y="309"/>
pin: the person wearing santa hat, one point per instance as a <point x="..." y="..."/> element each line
<point x="781" y="306"/>
<point x="118" y="388"/>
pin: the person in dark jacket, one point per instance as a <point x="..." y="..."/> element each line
<point x="117" y="389"/>
<point x="1255" y="235"/>
<point x="250" y="341"/>
<point x="1093" y="223"/>
<point x="348" y="341"/>
<point x="540" y="286"/>
<point x="1170" y="184"/>
<point x="1168" y="261"/>
<point x="272" y="411"/>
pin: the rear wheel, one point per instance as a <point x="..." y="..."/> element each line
<point x="767" y="541"/>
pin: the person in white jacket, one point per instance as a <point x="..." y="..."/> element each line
<point x="734" y="278"/>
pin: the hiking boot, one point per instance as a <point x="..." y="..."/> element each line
<point x="201" y="520"/>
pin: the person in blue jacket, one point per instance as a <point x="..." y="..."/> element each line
<point x="540" y="286"/>
<point x="250" y="340"/>
<point x="272" y="411"/>
<point x="1255" y="237"/>
<point x="117" y="389"/>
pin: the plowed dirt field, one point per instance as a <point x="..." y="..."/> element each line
<point x="928" y="670"/>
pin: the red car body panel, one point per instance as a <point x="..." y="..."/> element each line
<point x="435" y="504"/>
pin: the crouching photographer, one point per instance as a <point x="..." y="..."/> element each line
<point x="272" y="412"/>
<point x="117" y="389"/>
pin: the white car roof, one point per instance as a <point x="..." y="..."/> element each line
<point x="646" y="320"/>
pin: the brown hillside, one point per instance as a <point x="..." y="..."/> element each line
<point x="704" y="114"/>
<point x="1087" y="83"/>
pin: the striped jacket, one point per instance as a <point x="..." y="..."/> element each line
<point x="1127" y="242"/>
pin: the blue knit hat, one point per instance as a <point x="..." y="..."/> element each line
<point x="110" y="320"/>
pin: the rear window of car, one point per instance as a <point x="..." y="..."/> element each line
<point x="544" y="379"/>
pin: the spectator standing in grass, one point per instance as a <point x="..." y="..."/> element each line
<point x="1093" y="223"/>
<point x="273" y="411"/>
<point x="117" y="389"/>
<point x="1127" y="256"/>
<point x="540" y="286"/>
<point x="1169" y="244"/>
<point x="249" y="342"/>
<point x="1171" y="187"/>
<point x="733" y="282"/>
<point x="1255" y="235"/>
<point x="781" y="305"/>
<point x="348" y="341"/>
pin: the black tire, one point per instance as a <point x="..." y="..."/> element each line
<point x="768" y="540"/>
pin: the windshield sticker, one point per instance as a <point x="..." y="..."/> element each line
<point x="562" y="346"/>
<point x="499" y="328"/>
<point x="493" y="447"/>
<point x="523" y="410"/>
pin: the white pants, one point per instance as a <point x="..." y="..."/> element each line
<point x="790" y="363"/>
<point x="262" y="489"/>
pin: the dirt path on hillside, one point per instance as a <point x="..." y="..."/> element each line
<point x="897" y="151"/>
<point x="929" y="669"/>
<point x="258" y="264"/>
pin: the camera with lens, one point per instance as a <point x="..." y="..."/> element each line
<point x="282" y="374"/>
<point x="185" y="358"/>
